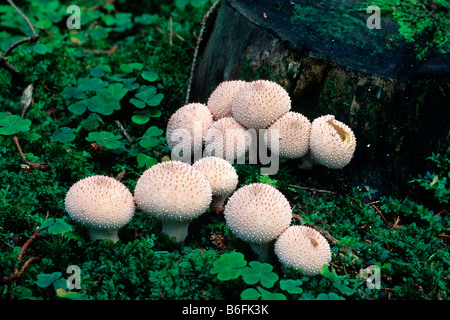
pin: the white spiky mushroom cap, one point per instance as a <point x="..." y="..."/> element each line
<point x="221" y="175"/>
<point x="303" y="248"/>
<point x="227" y="138"/>
<point x="192" y="120"/>
<point x="259" y="103"/>
<point x="221" y="99"/>
<point x="175" y="193"/>
<point x="102" y="204"/>
<point x="332" y="143"/>
<point x="258" y="213"/>
<point x="293" y="131"/>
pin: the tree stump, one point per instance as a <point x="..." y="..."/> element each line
<point x="396" y="100"/>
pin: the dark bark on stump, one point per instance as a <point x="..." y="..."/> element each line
<point x="399" y="109"/>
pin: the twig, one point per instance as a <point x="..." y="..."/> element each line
<point x="109" y="52"/>
<point x="313" y="189"/>
<point x="171" y="32"/>
<point x="33" y="165"/>
<point x="199" y="40"/>
<point x="23" y="16"/>
<point x="31" y="39"/>
<point x="125" y="133"/>
<point x="18" y="274"/>
<point x="100" y="5"/>
<point x="35" y="235"/>
<point x="323" y="232"/>
<point x="379" y="212"/>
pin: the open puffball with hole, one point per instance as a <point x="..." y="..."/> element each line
<point x="259" y="103"/>
<point x="258" y="213"/>
<point x="303" y="248"/>
<point x="332" y="143"/>
<point x="221" y="176"/>
<point x="175" y="193"/>
<point x="102" y="204"/>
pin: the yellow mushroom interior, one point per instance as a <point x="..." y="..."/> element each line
<point x="345" y="136"/>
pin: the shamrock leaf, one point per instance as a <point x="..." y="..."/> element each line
<point x="13" y="124"/>
<point x="146" y="161"/>
<point x="92" y="122"/>
<point x="106" y="139"/>
<point x="79" y="107"/>
<point x="150" y="137"/>
<point x="100" y="70"/>
<point x="63" y="135"/>
<point x="259" y="272"/>
<point x="229" y="266"/>
<point x="128" y="68"/>
<point x="44" y="280"/>
<point x="150" y="76"/>
<point x="147" y="96"/>
<point x="291" y="286"/>
<point x="73" y="92"/>
<point x="54" y="226"/>
<point x="255" y="294"/>
<point x="103" y="103"/>
<point x="91" y="84"/>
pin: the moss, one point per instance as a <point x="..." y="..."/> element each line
<point x="266" y="71"/>
<point x="421" y="26"/>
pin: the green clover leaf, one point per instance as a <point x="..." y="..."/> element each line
<point x="63" y="135"/>
<point x="291" y="286"/>
<point x="229" y="266"/>
<point x="106" y="139"/>
<point x="146" y="161"/>
<point x="13" y="124"/>
<point x="147" y="96"/>
<point x="44" y="280"/>
<point x="150" y="137"/>
<point x="259" y="272"/>
<point x="255" y="294"/>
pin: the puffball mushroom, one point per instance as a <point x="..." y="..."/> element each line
<point x="258" y="213"/>
<point x="221" y="176"/>
<point x="102" y="204"/>
<point x="189" y="122"/>
<point x="259" y="103"/>
<point x="175" y="193"/>
<point x="303" y="248"/>
<point x="226" y="138"/>
<point x="221" y="99"/>
<point x="332" y="143"/>
<point x="293" y="131"/>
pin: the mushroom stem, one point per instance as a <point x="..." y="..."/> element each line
<point x="262" y="250"/>
<point x="307" y="162"/>
<point x="175" y="229"/>
<point x="98" y="234"/>
<point x="218" y="201"/>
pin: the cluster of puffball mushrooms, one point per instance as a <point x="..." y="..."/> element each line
<point x="177" y="192"/>
<point x="237" y="106"/>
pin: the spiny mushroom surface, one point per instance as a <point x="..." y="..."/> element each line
<point x="226" y="138"/>
<point x="259" y="103"/>
<point x="102" y="204"/>
<point x="221" y="176"/>
<point x="258" y="213"/>
<point x="303" y="248"/>
<point x="332" y="143"/>
<point x="293" y="135"/>
<point x="175" y="193"/>
<point x="221" y="99"/>
<point x="192" y="120"/>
